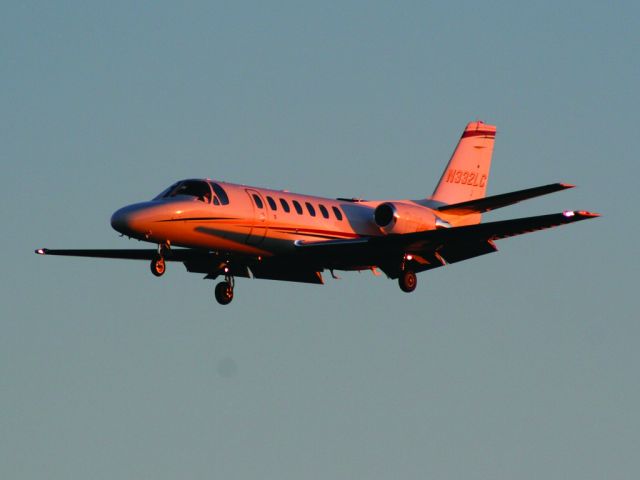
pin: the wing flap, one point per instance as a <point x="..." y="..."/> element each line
<point x="287" y="273"/>
<point x="456" y="252"/>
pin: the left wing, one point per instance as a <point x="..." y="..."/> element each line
<point x="178" y="255"/>
<point x="195" y="260"/>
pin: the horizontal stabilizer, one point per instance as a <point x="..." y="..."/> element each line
<point x="493" y="202"/>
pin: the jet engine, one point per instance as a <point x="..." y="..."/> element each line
<point x="393" y="217"/>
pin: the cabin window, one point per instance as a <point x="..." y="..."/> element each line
<point x="272" y="204"/>
<point x="297" y="206"/>
<point x="223" y="199"/>
<point x="312" y="211"/>
<point x="285" y="205"/>
<point x="258" y="200"/>
<point x="337" y="212"/>
<point x="324" y="211"/>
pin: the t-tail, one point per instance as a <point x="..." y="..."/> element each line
<point x="467" y="173"/>
<point x="460" y="196"/>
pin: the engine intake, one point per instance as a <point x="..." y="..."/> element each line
<point x="385" y="214"/>
<point x="399" y="217"/>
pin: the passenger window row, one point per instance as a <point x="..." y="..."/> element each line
<point x="298" y="208"/>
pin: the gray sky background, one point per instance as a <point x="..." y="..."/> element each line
<point x="522" y="364"/>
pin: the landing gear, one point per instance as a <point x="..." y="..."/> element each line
<point x="158" y="265"/>
<point x="224" y="291"/>
<point x="407" y="281"/>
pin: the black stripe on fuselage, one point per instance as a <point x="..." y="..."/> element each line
<point x="198" y="219"/>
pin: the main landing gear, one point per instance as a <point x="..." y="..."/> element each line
<point x="407" y="278"/>
<point x="224" y="291"/>
<point x="407" y="281"/>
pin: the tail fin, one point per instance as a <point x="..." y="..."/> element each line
<point x="467" y="173"/>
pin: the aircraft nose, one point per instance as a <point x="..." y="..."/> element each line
<point x="121" y="220"/>
<point x="135" y="220"/>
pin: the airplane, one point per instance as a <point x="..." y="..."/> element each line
<point x="228" y="230"/>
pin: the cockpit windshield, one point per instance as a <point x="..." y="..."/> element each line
<point x="198" y="189"/>
<point x="204" y="191"/>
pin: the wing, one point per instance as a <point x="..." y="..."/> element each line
<point x="179" y="255"/>
<point x="492" y="230"/>
<point x="195" y="260"/>
<point x="433" y="247"/>
<point x="487" y="204"/>
<point x="209" y="263"/>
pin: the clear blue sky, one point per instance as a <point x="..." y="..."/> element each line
<point x="521" y="364"/>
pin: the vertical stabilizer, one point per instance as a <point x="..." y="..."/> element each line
<point x="467" y="173"/>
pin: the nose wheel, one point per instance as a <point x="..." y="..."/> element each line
<point x="158" y="265"/>
<point x="224" y="291"/>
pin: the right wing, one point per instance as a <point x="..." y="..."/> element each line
<point x="452" y="244"/>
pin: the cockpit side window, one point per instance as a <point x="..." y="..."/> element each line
<point x="198" y="189"/>
<point x="220" y="194"/>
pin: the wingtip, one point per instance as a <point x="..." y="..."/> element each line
<point x="584" y="213"/>
<point x="41" y="251"/>
<point x="567" y="185"/>
<point x="580" y="214"/>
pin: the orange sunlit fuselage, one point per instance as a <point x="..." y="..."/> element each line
<point x="253" y="221"/>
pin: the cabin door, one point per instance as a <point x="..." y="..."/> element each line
<point x="259" y="225"/>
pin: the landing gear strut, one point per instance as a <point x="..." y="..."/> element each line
<point x="407" y="281"/>
<point x="224" y="291"/>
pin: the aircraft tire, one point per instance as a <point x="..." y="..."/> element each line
<point x="408" y="281"/>
<point x="224" y="293"/>
<point x="158" y="266"/>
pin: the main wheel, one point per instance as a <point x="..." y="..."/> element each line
<point x="224" y="293"/>
<point x="158" y="266"/>
<point x="407" y="281"/>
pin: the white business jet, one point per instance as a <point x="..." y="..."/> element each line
<point x="226" y="230"/>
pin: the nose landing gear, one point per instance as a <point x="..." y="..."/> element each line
<point x="158" y="265"/>
<point x="224" y="291"/>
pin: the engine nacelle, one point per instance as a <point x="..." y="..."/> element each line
<point x="403" y="218"/>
